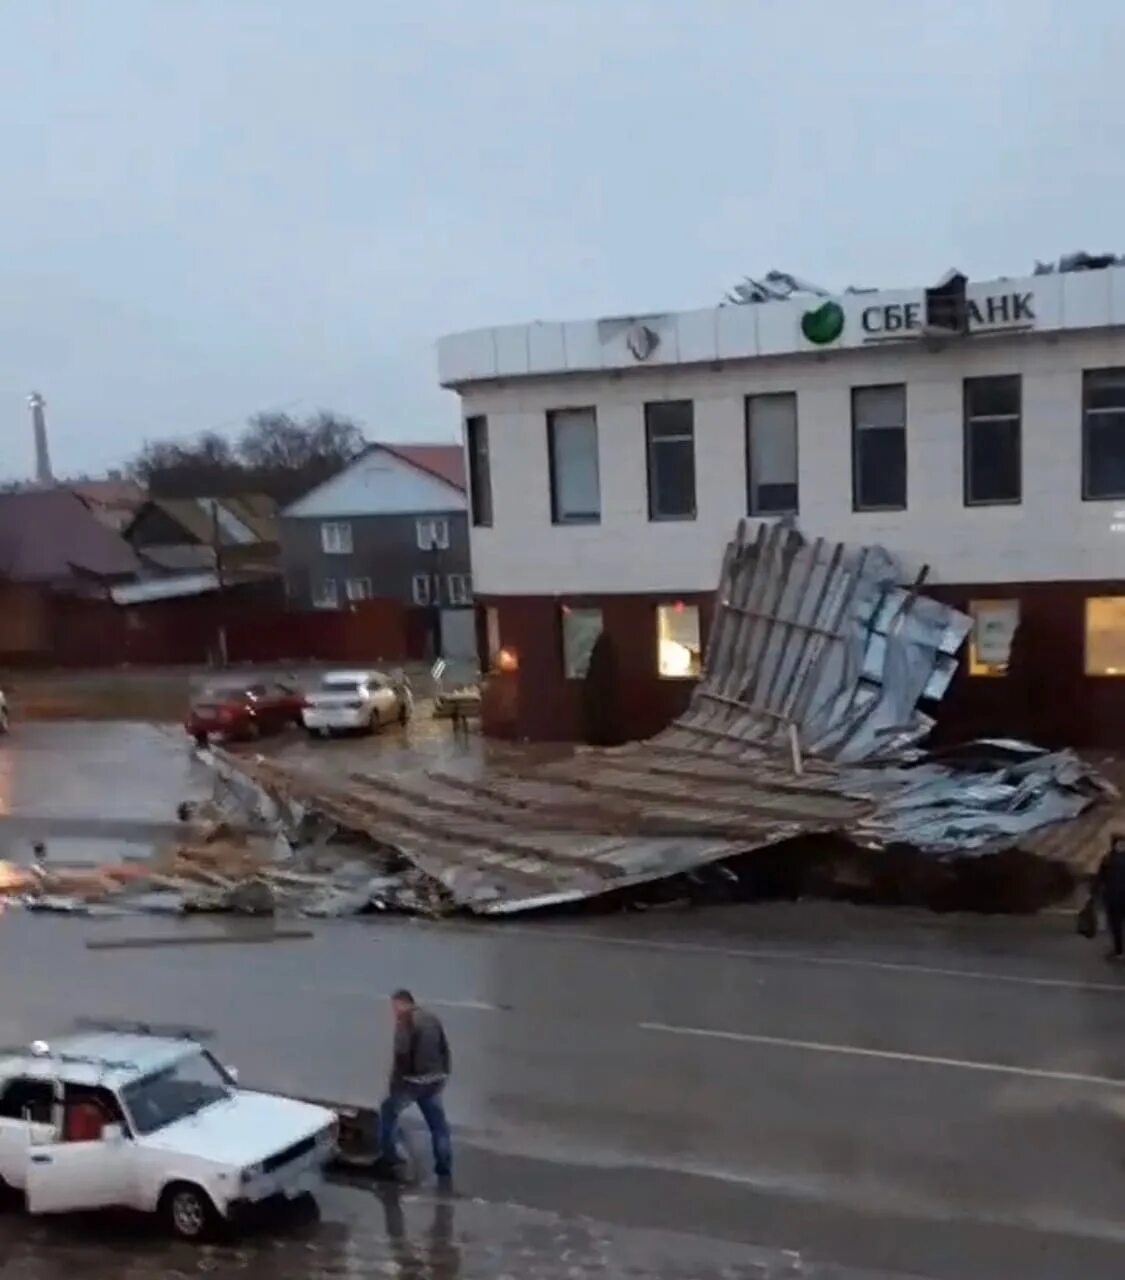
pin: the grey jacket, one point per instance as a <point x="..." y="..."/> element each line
<point x="422" y="1054"/>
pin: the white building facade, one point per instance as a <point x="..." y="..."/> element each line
<point x="610" y="460"/>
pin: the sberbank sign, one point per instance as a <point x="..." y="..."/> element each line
<point x="995" y="311"/>
<point x="889" y="321"/>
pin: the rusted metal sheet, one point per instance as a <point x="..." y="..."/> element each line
<point x="806" y="721"/>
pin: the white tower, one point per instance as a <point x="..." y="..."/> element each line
<point x="39" y="426"/>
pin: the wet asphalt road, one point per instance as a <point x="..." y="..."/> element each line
<point x="884" y="1092"/>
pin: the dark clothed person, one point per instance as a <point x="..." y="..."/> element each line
<point x="421" y="1067"/>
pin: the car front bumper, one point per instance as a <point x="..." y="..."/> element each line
<point x="302" y="1177"/>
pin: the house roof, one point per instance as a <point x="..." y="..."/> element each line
<point x="446" y="461"/>
<point x="243" y="519"/>
<point x="423" y="464"/>
<point x="47" y="535"/>
<point x="114" y="501"/>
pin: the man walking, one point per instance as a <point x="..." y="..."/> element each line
<point x="1111" y="885"/>
<point x="421" y="1068"/>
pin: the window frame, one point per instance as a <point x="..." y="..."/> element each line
<point x="357" y="599"/>
<point x="1089" y="376"/>
<point x="428" y="579"/>
<point x="567" y="610"/>
<point x="340" y="527"/>
<point x="678" y="606"/>
<point x="967" y="421"/>
<point x="439" y="529"/>
<point x="976" y="669"/>
<point x="552" y="467"/>
<point x="459" y="589"/>
<point x="320" y="595"/>
<point x="654" y="516"/>
<point x="1116" y="673"/>
<point x="479" y="469"/>
<point x="747" y="415"/>
<point x="857" y="432"/>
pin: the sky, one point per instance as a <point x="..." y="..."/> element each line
<point x="216" y="207"/>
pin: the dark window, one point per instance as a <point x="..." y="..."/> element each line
<point x="992" y="440"/>
<point x="771" y="454"/>
<point x="670" y="445"/>
<point x="1103" y="433"/>
<point x="480" y="474"/>
<point x="572" y="455"/>
<point x="879" y="448"/>
<point x="33" y="1097"/>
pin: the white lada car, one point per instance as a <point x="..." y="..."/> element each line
<point x="351" y="701"/>
<point x="125" y="1119"/>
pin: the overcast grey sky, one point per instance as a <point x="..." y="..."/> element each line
<point x="212" y="207"/>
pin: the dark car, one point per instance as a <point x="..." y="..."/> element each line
<point x="243" y="711"/>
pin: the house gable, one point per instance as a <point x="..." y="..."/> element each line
<point x="379" y="483"/>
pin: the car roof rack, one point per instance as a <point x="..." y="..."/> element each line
<point x="162" y="1031"/>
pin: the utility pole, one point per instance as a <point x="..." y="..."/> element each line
<point x="217" y="551"/>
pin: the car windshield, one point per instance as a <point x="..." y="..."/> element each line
<point x="174" y="1093"/>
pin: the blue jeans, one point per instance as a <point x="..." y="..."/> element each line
<point x="427" y="1098"/>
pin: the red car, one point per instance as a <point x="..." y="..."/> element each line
<point x="243" y="711"/>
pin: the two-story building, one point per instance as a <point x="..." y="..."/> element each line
<point x="392" y="525"/>
<point x="609" y="461"/>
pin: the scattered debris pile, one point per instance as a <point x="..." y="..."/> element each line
<point x="803" y="733"/>
<point x="795" y="769"/>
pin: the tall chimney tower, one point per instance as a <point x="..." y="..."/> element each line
<point x="39" y="426"/>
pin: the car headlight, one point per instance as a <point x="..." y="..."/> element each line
<point x="253" y="1171"/>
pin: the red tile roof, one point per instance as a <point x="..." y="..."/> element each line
<point x="446" y="461"/>
<point x="49" y="535"/>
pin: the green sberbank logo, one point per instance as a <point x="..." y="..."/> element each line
<point x="823" y="324"/>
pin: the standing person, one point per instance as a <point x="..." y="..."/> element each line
<point x="419" y="1072"/>
<point x="1111" y="886"/>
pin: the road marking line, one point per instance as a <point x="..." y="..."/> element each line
<point x="352" y="992"/>
<point x="806" y="957"/>
<point x="889" y="1055"/>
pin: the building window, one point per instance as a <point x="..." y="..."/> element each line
<point x="326" y="594"/>
<point x="679" y="653"/>
<point x="422" y="589"/>
<point x="580" y="631"/>
<point x="358" y="589"/>
<point x="433" y="533"/>
<point x="670" y="446"/>
<point x="1103" y="433"/>
<point x="572" y="456"/>
<point x="992" y="440"/>
<point x="1105" y="636"/>
<point x="771" y="454"/>
<point x="480" y="473"/>
<point x="336" y="538"/>
<point x="459" y="587"/>
<point x="879" y="448"/>
<point x="990" y="641"/>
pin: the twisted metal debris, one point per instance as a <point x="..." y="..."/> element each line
<point x="807" y="721"/>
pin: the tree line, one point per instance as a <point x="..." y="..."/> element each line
<point x="276" y="454"/>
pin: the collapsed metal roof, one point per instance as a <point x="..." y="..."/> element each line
<point x="807" y="720"/>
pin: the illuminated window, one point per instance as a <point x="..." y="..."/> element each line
<point x="1105" y="636"/>
<point x="580" y="631"/>
<point x="678" y="650"/>
<point x="990" y="642"/>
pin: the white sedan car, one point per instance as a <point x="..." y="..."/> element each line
<point x="347" y="701"/>
<point x="126" y="1119"/>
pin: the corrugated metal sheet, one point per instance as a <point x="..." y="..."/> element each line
<point x="807" y="721"/>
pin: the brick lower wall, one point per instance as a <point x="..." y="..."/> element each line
<point x="1046" y="696"/>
